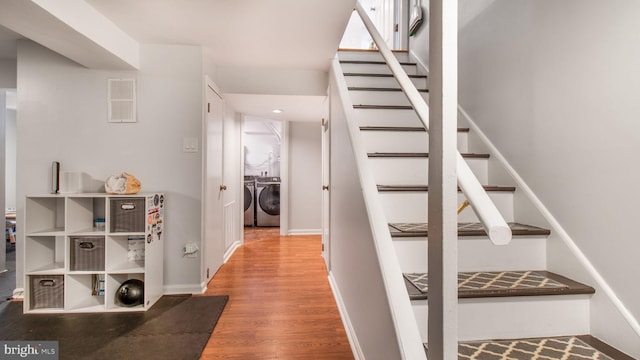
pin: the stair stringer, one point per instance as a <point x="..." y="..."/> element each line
<point x="362" y="309"/>
<point x="617" y="326"/>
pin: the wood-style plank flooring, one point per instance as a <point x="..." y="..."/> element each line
<point x="280" y="302"/>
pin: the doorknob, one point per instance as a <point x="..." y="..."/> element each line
<point x="325" y="187"/>
<point x="223" y="187"/>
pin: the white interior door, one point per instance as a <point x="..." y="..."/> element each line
<point x="214" y="248"/>
<point x="232" y="184"/>
<point x="326" y="198"/>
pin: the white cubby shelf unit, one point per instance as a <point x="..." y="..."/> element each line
<point x="79" y="249"/>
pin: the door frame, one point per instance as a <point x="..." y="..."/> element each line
<point x="326" y="179"/>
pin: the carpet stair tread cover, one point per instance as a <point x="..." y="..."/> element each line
<point x="464" y="229"/>
<point x="486" y="284"/>
<point x="583" y="347"/>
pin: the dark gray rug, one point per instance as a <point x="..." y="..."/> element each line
<point x="176" y="327"/>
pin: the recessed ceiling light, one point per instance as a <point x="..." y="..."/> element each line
<point x="276" y="111"/>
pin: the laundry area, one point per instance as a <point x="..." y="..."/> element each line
<point x="262" y="150"/>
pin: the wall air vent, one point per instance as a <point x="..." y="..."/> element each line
<point x="122" y="100"/>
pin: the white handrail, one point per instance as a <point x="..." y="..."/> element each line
<point x="494" y="224"/>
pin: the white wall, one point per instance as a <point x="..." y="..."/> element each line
<point x="262" y="147"/>
<point x="63" y="116"/>
<point x="555" y="87"/>
<point x="419" y="43"/>
<point x="3" y="115"/>
<point x="8" y="71"/>
<point x="355" y="269"/>
<point x="305" y="178"/>
<point x="10" y="159"/>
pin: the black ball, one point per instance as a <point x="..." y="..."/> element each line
<point x="130" y="293"/>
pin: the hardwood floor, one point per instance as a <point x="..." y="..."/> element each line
<point x="280" y="302"/>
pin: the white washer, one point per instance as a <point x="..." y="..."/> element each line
<point x="267" y="201"/>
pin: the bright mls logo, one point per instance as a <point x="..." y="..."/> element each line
<point x="29" y="350"/>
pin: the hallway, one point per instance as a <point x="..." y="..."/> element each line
<point x="280" y="302"/>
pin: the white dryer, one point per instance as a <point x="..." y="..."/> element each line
<point x="249" y="201"/>
<point x="268" y="201"/>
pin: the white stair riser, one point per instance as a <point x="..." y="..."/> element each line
<point x="387" y="117"/>
<point x="386" y="81"/>
<point x="381" y="97"/>
<point x="403" y="206"/>
<point x="477" y="254"/>
<point x="515" y="317"/>
<point x="375" y="68"/>
<point x="403" y="141"/>
<point x="370" y="56"/>
<point x="412" y="171"/>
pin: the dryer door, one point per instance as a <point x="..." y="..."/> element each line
<point x="269" y="199"/>
<point x="247" y="198"/>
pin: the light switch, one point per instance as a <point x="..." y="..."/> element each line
<point x="189" y="144"/>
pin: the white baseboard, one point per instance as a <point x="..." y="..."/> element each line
<point x="346" y="322"/>
<point x="304" y="232"/>
<point x="236" y="244"/>
<point x="183" y="289"/>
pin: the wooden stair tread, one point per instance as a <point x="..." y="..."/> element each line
<point x="424" y="188"/>
<point x="370" y="50"/>
<point x="464" y="229"/>
<point x="374" y="62"/>
<point x="402" y="128"/>
<point x="562" y="347"/>
<point x="361" y="88"/>
<point x="383" y="107"/>
<point x="483" y="284"/>
<point x="381" y="75"/>
<point x="420" y="155"/>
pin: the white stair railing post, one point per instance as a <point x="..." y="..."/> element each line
<point x="443" y="156"/>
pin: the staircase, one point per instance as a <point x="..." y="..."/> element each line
<point x="505" y="292"/>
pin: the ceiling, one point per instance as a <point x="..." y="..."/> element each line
<point x="264" y="34"/>
<point x="243" y="33"/>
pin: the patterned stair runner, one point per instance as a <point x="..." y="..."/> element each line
<point x="464" y="229"/>
<point x="566" y="347"/>
<point x="501" y="284"/>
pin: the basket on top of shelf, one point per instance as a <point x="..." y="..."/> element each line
<point x="127" y="215"/>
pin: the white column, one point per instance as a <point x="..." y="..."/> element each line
<point x="3" y="134"/>
<point x="442" y="244"/>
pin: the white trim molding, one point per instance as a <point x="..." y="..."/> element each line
<point x="184" y="289"/>
<point x="304" y="232"/>
<point x="557" y="228"/>
<point x="346" y="322"/>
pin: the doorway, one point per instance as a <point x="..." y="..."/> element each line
<point x="389" y="17"/>
<point x="262" y="141"/>
<point x="8" y="173"/>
